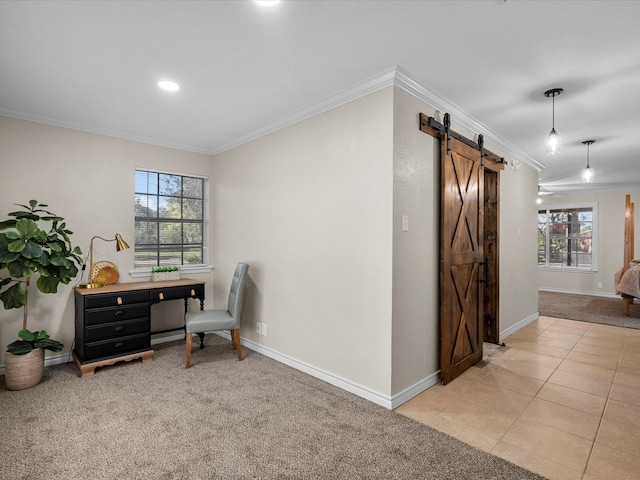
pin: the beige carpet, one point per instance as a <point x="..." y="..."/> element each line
<point x="588" y="309"/>
<point x="222" y="419"/>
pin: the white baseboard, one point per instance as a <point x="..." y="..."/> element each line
<point x="366" y="393"/>
<point x="164" y="337"/>
<point x="53" y="360"/>
<point x="580" y="292"/>
<point x="523" y="323"/>
<point x="331" y="379"/>
<point x="415" y="390"/>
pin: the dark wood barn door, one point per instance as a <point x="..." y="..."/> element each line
<point x="491" y="253"/>
<point x="462" y="257"/>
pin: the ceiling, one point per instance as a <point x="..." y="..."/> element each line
<point x="95" y="65"/>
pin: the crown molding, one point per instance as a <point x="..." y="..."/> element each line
<point x="89" y="128"/>
<point x="393" y="76"/>
<point x="362" y="89"/>
<point x="441" y="104"/>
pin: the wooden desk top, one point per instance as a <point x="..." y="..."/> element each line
<point x="132" y="286"/>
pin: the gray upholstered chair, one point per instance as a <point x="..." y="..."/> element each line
<point x="215" y="320"/>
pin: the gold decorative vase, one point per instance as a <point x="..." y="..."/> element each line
<point x="23" y="371"/>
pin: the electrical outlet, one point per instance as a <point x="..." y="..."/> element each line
<point x="259" y="328"/>
<point x="264" y="329"/>
<point x="599" y="284"/>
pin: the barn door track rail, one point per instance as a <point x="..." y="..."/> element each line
<point x="431" y="126"/>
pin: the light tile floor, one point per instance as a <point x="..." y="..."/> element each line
<point x="562" y="399"/>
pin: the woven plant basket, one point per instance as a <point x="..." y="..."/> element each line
<point x="23" y="371"/>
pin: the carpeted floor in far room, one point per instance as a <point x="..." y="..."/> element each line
<point x="586" y="308"/>
<point x="221" y="419"/>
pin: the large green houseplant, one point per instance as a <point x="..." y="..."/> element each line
<point x="33" y="240"/>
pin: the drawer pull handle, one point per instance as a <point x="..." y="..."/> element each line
<point x="119" y="345"/>
<point x="193" y="292"/>
<point x="118" y="313"/>
<point x="119" y="328"/>
<point x="119" y="300"/>
<point x="161" y="296"/>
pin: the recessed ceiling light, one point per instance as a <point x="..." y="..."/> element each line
<point x="267" y="3"/>
<point x="168" y="85"/>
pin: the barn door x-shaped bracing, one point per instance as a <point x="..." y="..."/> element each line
<point x="468" y="248"/>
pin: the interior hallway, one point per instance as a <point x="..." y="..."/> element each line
<point x="562" y="399"/>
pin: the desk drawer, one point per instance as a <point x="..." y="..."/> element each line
<point x="117" y="347"/>
<point x="116" y="299"/>
<point x="107" y="315"/>
<point x="173" y="293"/>
<point x="111" y="331"/>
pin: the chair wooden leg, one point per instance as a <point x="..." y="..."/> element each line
<point x="188" y="340"/>
<point x="626" y="302"/>
<point x="235" y="340"/>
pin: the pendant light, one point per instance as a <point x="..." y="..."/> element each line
<point x="587" y="173"/>
<point x="553" y="139"/>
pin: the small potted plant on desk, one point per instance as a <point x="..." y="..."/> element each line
<point x="159" y="274"/>
<point x="33" y="241"/>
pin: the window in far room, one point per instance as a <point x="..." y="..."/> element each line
<point x="567" y="238"/>
<point x="170" y="221"/>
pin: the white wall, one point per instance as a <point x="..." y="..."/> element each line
<point x="518" y="236"/>
<point x="416" y="192"/>
<point x="518" y="248"/>
<point x="610" y="233"/>
<point x="87" y="179"/>
<point x="310" y="209"/>
<point x="316" y="210"/>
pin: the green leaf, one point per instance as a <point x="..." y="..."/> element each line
<point x="20" y="268"/>
<point x="34" y="203"/>
<point x="29" y="215"/>
<point x="52" y="218"/>
<point x="27" y="228"/>
<point x="41" y="334"/>
<point x="43" y="261"/>
<point x="58" y="260"/>
<point x="49" y="344"/>
<point x="6" y="256"/>
<point x="19" y="347"/>
<point x="13" y="297"/>
<point x="7" y="224"/>
<point x="28" y="335"/>
<point x="40" y="236"/>
<point x="17" y="246"/>
<point x="32" y="250"/>
<point x="48" y="284"/>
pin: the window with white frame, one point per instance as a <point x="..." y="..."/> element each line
<point x="567" y="237"/>
<point x="170" y="222"/>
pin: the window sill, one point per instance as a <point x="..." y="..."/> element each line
<point x="566" y="270"/>
<point x="184" y="270"/>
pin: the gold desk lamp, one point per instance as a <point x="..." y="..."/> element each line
<point x="120" y="245"/>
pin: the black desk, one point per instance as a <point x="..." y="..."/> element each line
<point x="113" y="323"/>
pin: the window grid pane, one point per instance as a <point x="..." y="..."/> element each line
<point x="169" y="219"/>
<point x="565" y="237"/>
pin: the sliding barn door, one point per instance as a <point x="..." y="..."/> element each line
<point x="462" y="257"/>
